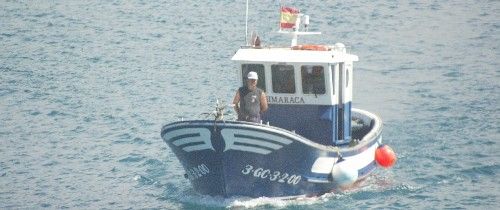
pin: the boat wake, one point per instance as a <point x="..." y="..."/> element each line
<point x="247" y="202"/>
<point x="370" y="186"/>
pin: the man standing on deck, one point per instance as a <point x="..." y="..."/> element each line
<point x="250" y="101"/>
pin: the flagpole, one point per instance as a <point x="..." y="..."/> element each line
<point x="246" y="26"/>
<point x="279" y="24"/>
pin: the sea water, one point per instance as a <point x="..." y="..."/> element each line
<point x="85" y="87"/>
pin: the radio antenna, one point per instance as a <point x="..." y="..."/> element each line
<point x="246" y="25"/>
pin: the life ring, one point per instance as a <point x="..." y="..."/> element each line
<point x="313" y="47"/>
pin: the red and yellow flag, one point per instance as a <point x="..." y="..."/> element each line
<point x="288" y="17"/>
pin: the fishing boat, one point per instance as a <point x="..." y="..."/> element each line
<point x="309" y="142"/>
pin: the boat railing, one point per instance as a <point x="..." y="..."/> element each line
<point x="375" y="123"/>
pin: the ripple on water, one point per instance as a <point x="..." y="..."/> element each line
<point x="477" y="172"/>
<point x="5" y="92"/>
<point x="153" y="163"/>
<point x="143" y="180"/>
<point x="54" y="113"/>
<point x="453" y="74"/>
<point x="132" y="158"/>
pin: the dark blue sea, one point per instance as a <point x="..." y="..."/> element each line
<point x="85" y="87"/>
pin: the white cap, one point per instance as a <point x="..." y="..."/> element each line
<point x="252" y="75"/>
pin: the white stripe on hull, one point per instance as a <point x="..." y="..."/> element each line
<point x="265" y="143"/>
<point x="201" y="136"/>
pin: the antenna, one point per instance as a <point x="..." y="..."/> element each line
<point x="246" y="25"/>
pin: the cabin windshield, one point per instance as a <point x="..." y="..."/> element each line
<point x="259" y="69"/>
<point x="313" y="79"/>
<point x="283" y="77"/>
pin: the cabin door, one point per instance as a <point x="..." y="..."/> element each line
<point x="344" y="104"/>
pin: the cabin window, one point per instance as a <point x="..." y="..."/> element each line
<point x="259" y="69"/>
<point x="283" y="78"/>
<point x="313" y="79"/>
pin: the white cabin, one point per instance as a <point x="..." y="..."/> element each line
<point x="308" y="91"/>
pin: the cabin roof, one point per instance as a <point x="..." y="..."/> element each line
<point x="287" y="55"/>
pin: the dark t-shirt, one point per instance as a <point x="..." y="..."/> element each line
<point x="249" y="102"/>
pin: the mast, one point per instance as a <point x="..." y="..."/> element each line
<point x="246" y="25"/>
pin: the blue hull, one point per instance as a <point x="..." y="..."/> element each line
<point x="246" y="159"/>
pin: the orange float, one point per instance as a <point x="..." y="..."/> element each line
<point x="385" y="156"/>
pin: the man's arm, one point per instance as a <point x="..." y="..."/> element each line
<point x="263" y="102"/>
<point x="236" y="102"/>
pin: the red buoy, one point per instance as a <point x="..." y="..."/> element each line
<point x="384" y="156"/>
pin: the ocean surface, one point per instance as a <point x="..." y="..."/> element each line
<point x="85" y="87"/>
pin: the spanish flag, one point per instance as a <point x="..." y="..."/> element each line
<point x="288" y="17"/>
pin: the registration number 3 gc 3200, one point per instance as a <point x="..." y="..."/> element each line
<point x="274" y="176"/>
